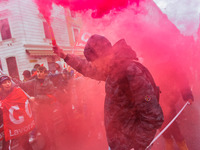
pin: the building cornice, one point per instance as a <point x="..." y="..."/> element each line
<point x="44" y="47"/>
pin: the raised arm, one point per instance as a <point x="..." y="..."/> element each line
<point x="80" y="65"/>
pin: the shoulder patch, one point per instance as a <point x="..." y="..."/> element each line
<point x="147" y="98"/>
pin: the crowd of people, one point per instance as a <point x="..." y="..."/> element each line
<point x="66" y="108"/>
<point x="61" y="110"/>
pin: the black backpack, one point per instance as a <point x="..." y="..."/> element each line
<point x="149" y="76"/>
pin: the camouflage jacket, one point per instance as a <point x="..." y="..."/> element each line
<point x="132" y="112"/>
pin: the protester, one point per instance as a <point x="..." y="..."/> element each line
<point x="16" y="114"/>
<point x="43" y="99"/>
<point x="27" y="75"/>
<point x="64" y="85"/>
<point x="132" y="111"/>
<point x="175" y="88"/>
<point x="34" y="71"/>
<point x="36" y="66"/>
<point x="59" y="67"/>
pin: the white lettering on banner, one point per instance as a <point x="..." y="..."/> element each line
<point x="22" y="130"/>
<point x="85" y="36"/>
<point x="11" y="116"/>
<point x="1" y="135"/>
<point x="27" y="109"/>
<point x="80" y="44"/>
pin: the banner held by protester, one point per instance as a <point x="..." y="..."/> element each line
<point x="17" y="115"/>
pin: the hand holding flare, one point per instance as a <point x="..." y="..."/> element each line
<point x="56" y="49"/>
<point x="59" y="51"/>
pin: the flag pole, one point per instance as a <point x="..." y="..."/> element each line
<point x="169" y="124"/>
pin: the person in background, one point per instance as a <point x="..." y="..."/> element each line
<point x="27" y="75"/>
<point x="132" y="113"/>
<point x="43" y="98"/>
<point x="34" y="71"/>
<point x="59" y="67"/>
<point x="36" y="66"/>
<point x="175" y="88"/>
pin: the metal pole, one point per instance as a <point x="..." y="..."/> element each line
<point x="187" y="103"/>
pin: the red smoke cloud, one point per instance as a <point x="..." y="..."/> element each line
<point x="145" y="28"/>
<point x="45" y="7"/>
<point x="99" y="7"/>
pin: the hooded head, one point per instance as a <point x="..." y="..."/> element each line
<point x="58" y="66"/>
<point x="97" y="47"/>
<point x="124" y="51"/>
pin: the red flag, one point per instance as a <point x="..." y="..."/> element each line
<point x="17" y="115"/>
<point x="83" y="38"/>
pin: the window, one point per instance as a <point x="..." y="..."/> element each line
<point x="5" y="29"/>
<point x="12" y="67"/>
<point x="76" y="34"/>
<point x="47" y="30"/>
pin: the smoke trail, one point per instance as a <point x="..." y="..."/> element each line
<point x="45" y="7"/>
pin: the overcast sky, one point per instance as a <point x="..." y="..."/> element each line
<point x="184" y="14"/>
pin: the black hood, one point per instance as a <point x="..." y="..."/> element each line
<point x="124" y="51"/>
<point x="96" y="47"/>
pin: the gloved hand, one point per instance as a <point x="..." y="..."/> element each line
<point x="59" y="51"/>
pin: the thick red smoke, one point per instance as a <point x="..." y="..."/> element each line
<point x="99" y="7"/>
<point x="157" y="41"/>
<point x="45" y="7"/>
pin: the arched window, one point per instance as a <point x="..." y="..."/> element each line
<point x="12" y="67"/>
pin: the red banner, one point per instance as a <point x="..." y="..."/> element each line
<point x="83" y="38"/>
<point x="17" y="115"/>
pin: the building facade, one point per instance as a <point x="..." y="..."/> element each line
<point x="25" y="38"/>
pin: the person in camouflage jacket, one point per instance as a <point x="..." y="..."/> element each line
<point x="132" y="113"/>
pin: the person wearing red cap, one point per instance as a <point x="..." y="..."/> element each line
<point x="132" y="113"/>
